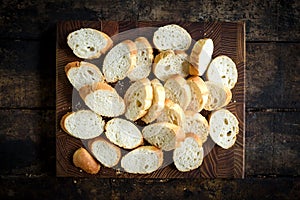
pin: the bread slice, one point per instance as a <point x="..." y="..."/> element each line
<point x="89" y="43"/>
<point x="138" y="99"/>
<point x="144" y="59"/>
<point x="83" y="73"/>
<point x="167" y="64"/>
<point x="83" y="124"/>
<point x="222" y="70"/>
<point x="201" y="56"/>
<point x="123" y="133"/>
<point x="224" y="127"/>
<point x="103" y="99"/>
<point x="105" y="152"/>
<point x="172" y="37"/>
<point x="178" y="91"/>
<point x="142" y="160"/>
<point x="189" y="155"/>
<point x="197" y="124"/>
<point x="119" y="61"/>
<point x="199" y="93"/>
<point x="158" y="102"/>
<point x="84" y="160"/>
<point x="163" y="135"/>
<point x="218" y="97"/>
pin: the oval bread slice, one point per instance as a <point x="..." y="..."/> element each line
<point x="142" y="160"/>
<point x="83" y="124"/>
<point x="89" y="43"/>
<point x="224" y="127"/>
<point x="84" y="160"/>
<point x="123" y="133"/>
<point x="199" y="93"/>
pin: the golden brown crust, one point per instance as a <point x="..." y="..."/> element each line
<point x="62" y="122"/>
<point x="203" y="88"/>
<point x="195" y="137"/>
<point x="84" y="160"/>
<point x="71" y="65"/>
<point x="85" y="90"/>
<point x="108" y="45"/>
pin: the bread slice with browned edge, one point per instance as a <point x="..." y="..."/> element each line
<point x="189" y="155"/>
<point x="83" y="73"/>
<point x="163" y="135"/>
<point x="197" y="124"/>
<point x="201" y="56"/>
<point x="224" y="127"/>
<point x="103" y="99"/>
<point x="158" y="102"/>
<point x="105" y="152"/>
<point x="83" y="124"/>
<point x="169" y="63"/>
<point x="199" y="93"/>
<point x="84" y="160"/>
<point x="138" y="99"/>
<point x="123" y="133"/>
<point x="88" y="43"/>
<point x="172" y="37"/>
<point x="144" y="59"/>
<point x="119" y="61"/>
<point x="178" y="91"/>
<point x="223" y="70"/>
<point x="142" y="160"/>
<point x="218" y="96"/>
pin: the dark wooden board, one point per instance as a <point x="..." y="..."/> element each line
<point x="229" y="39"/>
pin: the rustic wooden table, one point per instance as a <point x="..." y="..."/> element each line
<point x="27" y="100"/>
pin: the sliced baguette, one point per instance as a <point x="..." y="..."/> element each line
<point x="167" y="64"/>
<point x="83" y="73"/>
<point x="119" y="61"/>
<point x="218" y="96"/>
<point x="222" y="70"/>
<point x="189" y="155"/>
<point x="103" y="99"/>
<point x="105" y="152"/>
<point x="171" y="37"/>
<point x="123" y="133"/>
<point x="89" y="43"/>
<point x="224" y="127"/>
<point x="158" y="102"/>
<point x="143" y="160"/>
<point x="138" y="99"/>
<point x="178" y="91"/>
<point x="199" y="93"/>
<point x="84" y="160"/>
<point x="144" y="59"/>
<point x="83" y="124"/>
<point x="163" y="135"/>
<point x="201" y="56"/>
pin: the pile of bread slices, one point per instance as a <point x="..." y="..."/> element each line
<point x="168" y="104"/>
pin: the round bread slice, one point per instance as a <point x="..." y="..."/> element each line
<point x="222" y="70"/>
<point x="201" y="56"/>
<point x="142" y="160"/>
<point x="89" y="43"/>
<point x="178" y="91"/>
<point x="138" y="99"/>
<point x="218" y="96"/>
<point x="82" y="124"/>
<point x="83" y="73"/>
<point x="123" y="133"/>
<point x="84" y="160"/>
<point x="167" y="64"/>
<point x="199" y="93"/>
<point x="163" y="135"/>
<point x="189" y="155"/>
<point x="103" y="99"/>
<point x="119" y="61"/>
<point x="105" y="152"/>
<point x="158" y="102"/>
<point x="144" y="59"/>
<point x="197" y="124"/>
<point x="172" y="37"/>
<point x="224" y="127"/>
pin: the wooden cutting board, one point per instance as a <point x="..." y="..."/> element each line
<point x="229" y="39"/>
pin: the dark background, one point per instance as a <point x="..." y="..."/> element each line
<point x="27" y="99"/>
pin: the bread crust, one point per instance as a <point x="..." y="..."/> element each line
<point x="84" y="160"/>
<point x="201" y="86"/>
<point x="85" y="90"/>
